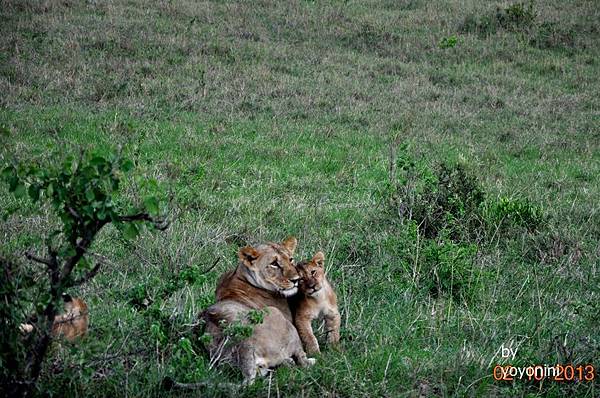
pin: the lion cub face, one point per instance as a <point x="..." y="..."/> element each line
<point x="312" y="274"/>
<point x="271" y="267"/>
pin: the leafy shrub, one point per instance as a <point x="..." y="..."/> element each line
<point x="445" y="200"/>
<point x="516" y="17"/>
<point x="552" y="35"/>
<point x="448" y="42"/>
<point x="448" y="270"/>
<point x="513" y="213"/>
<point x="82" y="192"/>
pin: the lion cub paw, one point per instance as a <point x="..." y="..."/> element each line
<point x="310" y="361"/>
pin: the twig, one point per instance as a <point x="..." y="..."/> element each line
<point x="206" y="271"/>
<point x="33" y="257"/>
<point x="89" y="275"/>
<point x="159" y="224"/>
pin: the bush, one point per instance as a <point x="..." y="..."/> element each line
<point x="517" y="17"/>
<point x="448" y="42"/>
<point x="82" y="192"/>
<point x="551" y="35"/>
<point x="447" y="199"/>
<point x="447" y="270"/>
<point x="513" y="213"/>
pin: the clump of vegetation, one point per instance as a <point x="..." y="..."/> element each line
<point x="447" y="212"/>
<point x="82" y="192"/>
<point x="517" y="17"/>
<point x="446" y="199"/>
<point x="448" y="42"/>
<point x="513" y="213"/>
<point x="552" y="35"/>
<point x="448" y="269"/>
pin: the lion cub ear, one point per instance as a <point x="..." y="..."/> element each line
<point x="319" y="259"/>
<point x="290" y="243"/>
<point x="248" y="255"/>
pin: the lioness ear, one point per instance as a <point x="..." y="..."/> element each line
<point x="290" y="243"/>
<point x="319" y="259"/>
<point x="248" y="255"/>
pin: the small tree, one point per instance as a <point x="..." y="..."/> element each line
<point x="82" y="192"/>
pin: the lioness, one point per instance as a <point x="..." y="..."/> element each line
<point x="264" y="278"/>
<point x="71" y="324"/>
<point x="317" y="299"/>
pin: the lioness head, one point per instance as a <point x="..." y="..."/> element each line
<point x="312" y="274"/>
<point x="270" y="266"/>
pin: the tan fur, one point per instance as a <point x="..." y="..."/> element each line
<point x="273" y="342"/>
<point x="263" y="279"/>
<point x="317" y="300"/>
<point x="71" y="324"/>
<point x="257" y="283"/>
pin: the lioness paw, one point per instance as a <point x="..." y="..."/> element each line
<point x="311" y="361"/>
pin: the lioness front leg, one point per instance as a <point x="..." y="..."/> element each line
<point x="306" y="334"/>
<point x="333" y="321"/>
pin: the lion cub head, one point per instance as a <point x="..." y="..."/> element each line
<point x="312" y="274"/>
<point x="270" y="266"/>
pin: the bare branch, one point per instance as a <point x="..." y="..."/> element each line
<point x="160" y="224"/>
<point x="74" y="213"/>
<point x="80" y="250"/>
<point x="41" y="260"/>
<point x="206" y="271"/>
<point x="89" y="275"/>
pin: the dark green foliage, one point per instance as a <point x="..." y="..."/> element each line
<point x="513" y="213"/>
<point x="516" y="17"/>
<point x="554" y="35"/>
<point x="81" y="192"/>
<point x="448" y="269"/>
<point x="448" y="200"/>
<point x="448" y="42"/>
<point x="12" y="352"/>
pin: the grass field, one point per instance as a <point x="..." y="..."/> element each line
<point x="265" y="119"/>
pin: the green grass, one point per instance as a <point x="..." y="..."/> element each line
<point x="268" y="118"/>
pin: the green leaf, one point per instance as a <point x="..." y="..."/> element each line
<point x="130" y="231"/>
<point x="8" y="172"/>
<point x="4" y="132"/>
<point x="126" y="165"/>
<point x="20" y="191"/>
<point x="89" y="195"/>
<point x="151" y="204"/>
<point x="34" y="192"/>
<point x="97" y="160"/>
<point x="67" y="251"/>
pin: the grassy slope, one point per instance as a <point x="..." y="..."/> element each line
<point x="272" y="118"/>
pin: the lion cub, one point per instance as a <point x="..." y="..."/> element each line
<point x="71" y="324"/>
<point x="317" y="299"/>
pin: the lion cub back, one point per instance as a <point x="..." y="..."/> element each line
<point x="317" y="300"/>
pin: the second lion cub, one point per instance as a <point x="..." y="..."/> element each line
<point x="316" y="299"/>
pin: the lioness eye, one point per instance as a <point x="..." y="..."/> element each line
<point x="313" y="272"/>
<point x="274" y="264"/>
